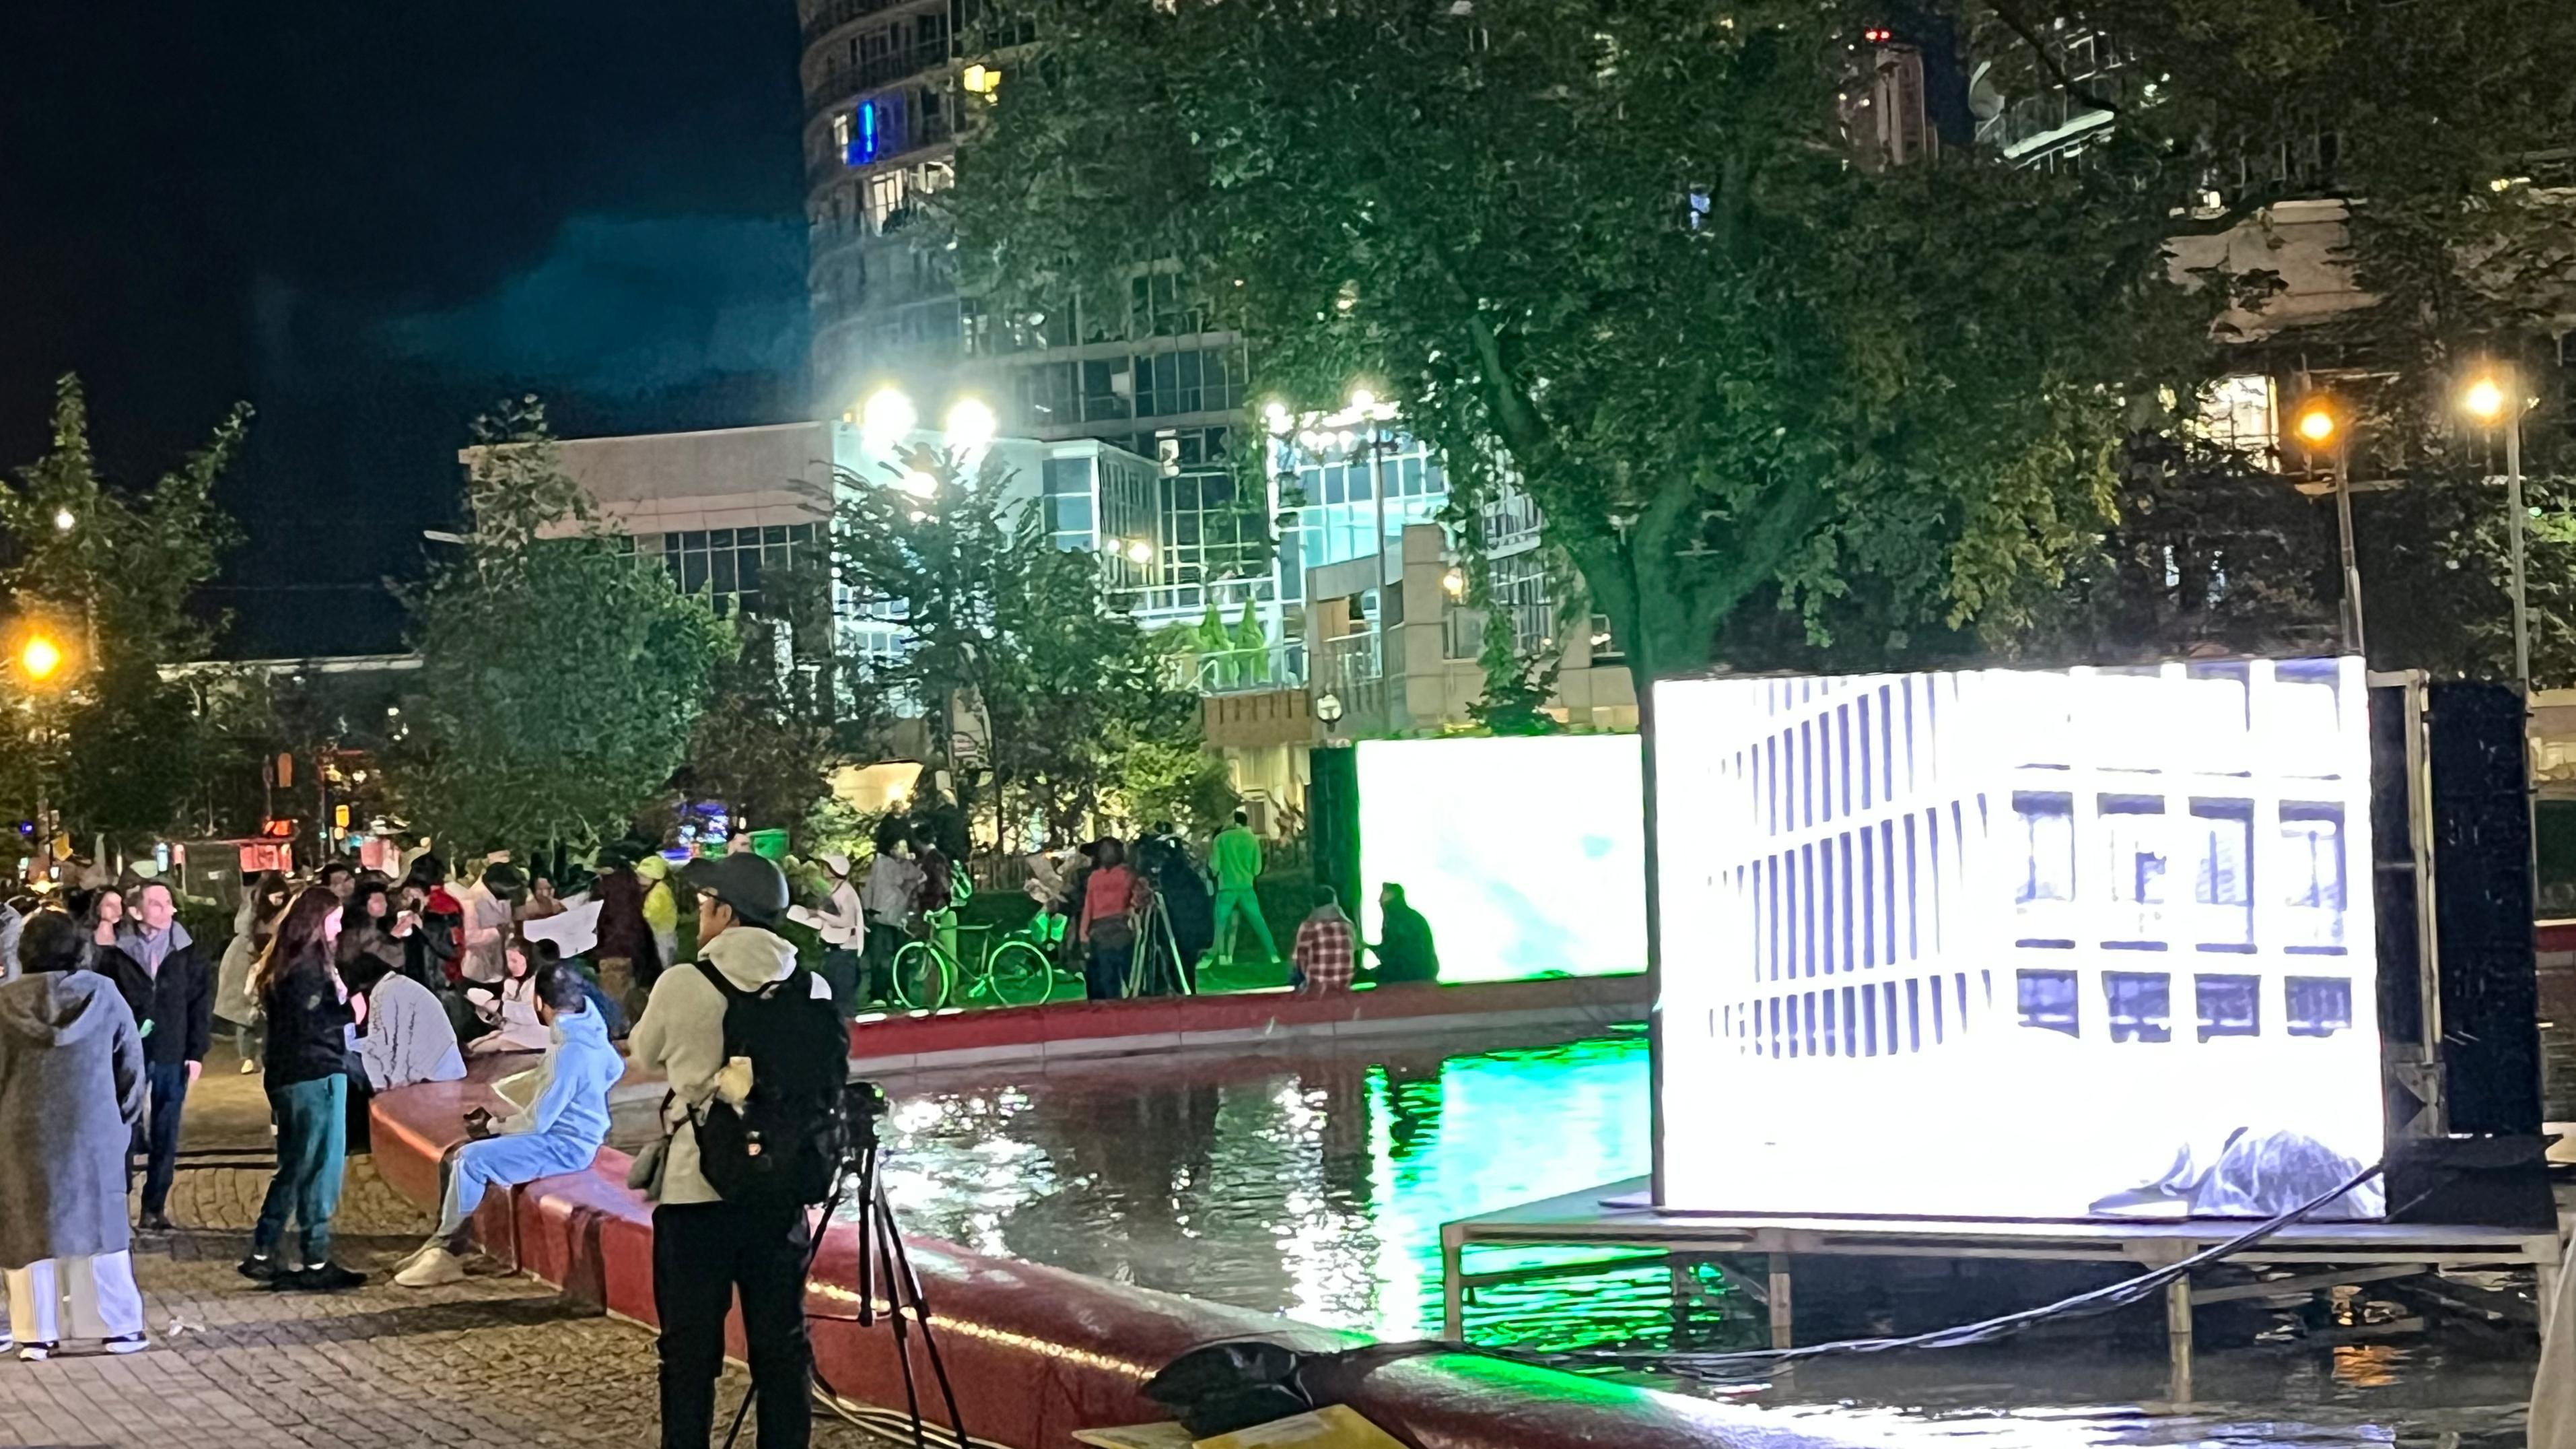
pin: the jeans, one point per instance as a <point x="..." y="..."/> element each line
<point x="701" y="1253"/>
<point x="883" y="942"/>
<point x="158" y="1138"/>
<point x="312" y="1148"/>
<point x="1104" y="976"/>
<point x="844" y="970"/>
<point x="1244" y="901"/>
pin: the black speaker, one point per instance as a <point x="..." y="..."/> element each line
<point x="1333" y="820"/>
<point x="2482" y="924"/>
<point x="2493" y="1181"/>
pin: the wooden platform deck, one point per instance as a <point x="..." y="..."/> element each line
<point x="1618" y="1215"/>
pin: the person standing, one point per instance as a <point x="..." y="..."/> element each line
<point x="430" y="947"/>
<point x="1405" y="951"/>
<point x="181" y="990"/>
<point x="489" y="906"/>
<point x="72" y="1090"/>
<point x="1236" y="857"/>
<point x="1163" y="858"/>
<point x="894" y="885"/>
<point x="309" y="1017"/>
<point x="624" y="953"/>
<point x="705" y="1248"/>
<point x="842" y="922"/>
<point x="1324" y="953"/>
<point x="661" y="916"/>
<point x="338" y="877"/>
<point x="1111" y="896"/>
<point x="262" y="904"/>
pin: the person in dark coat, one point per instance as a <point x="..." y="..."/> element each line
<point x="1404" y="950"/>
<point x="170" y="972"/>
<point x="624" y="953"/>
<point x="309" y="1017"/>
<point x="71" y="1091"/>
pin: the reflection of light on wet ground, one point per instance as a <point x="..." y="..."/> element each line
<point x="1311" y="1184"/>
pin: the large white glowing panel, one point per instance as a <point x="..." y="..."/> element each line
<point x="1527" y="856"/>
<point x="2045" y="944"/>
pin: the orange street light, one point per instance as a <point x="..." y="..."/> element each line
<point x="39" y="657"/>
<point x="2316" y="423"/>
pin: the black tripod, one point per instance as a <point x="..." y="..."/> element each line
<point x="882" y="1257"/>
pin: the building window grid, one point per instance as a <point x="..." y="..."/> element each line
<point x="2228" y="843"/>
<point x="730" y="563"/>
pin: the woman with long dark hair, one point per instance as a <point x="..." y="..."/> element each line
<point x="309" y="1016"/>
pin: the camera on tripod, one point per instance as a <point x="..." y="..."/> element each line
<point x="863" y="1103"/>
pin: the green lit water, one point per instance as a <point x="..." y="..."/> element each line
<point x="1312" y="1183"/>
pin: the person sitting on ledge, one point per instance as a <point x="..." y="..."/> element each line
<point x="1404" y="949"/>
<point x="1324" y="948"/>
<point x="560" y="1131"/>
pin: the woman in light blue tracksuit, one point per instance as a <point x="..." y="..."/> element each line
<point x="560" y="1131"/>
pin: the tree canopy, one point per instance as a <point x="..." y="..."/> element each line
<point x="560" y="680"/>
<point x="1066" y="707"/>
<point x="109" y="576"/>
<point x="1649" y="262"/>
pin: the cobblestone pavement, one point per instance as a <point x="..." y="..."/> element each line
<point x="497" y="1360"/>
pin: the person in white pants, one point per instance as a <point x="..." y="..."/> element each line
<point x="59" y="1299"/>
<point x="71" y="1091"/>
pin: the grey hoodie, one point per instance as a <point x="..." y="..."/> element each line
<point x="71" y="1090"/>
<point x="681" y="1035"/>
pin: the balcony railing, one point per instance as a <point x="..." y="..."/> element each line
<point x="1351" y="660"/>
<point x="1242" y="671"/>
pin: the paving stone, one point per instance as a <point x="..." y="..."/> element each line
<point x="496" y="1362"/>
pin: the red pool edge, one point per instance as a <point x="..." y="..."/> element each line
<point x="1036" y="1352"/>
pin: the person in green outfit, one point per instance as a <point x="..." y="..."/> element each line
<point x="1235" y="856"/>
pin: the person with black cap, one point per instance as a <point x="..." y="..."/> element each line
<point x="705" y="1248"/>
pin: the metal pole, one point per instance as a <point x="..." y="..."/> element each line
<point x="2515" y="521"/>
<point x="2352" y="630"/>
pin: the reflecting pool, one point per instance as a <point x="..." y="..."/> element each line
<point x="1312" y="1182"/>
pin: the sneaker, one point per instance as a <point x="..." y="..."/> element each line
<point x="432" y="1267"/>
<point x="156" y="1222"/>
<point x="127" y="1343"/>
<point x="35" y="1352"/>
<point x="249" y="1068"/>
<point x="259" y="1268"/>
<point x="326" y="1278"/>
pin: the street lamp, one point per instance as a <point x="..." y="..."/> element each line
<point x="886" y="416"/>
<point x="2320" y="426"/>
<point x="971" y="425"/>
<point x="1139" y="552"/>
<point x="39" y="657"/>
<point x="63" y="520"/>
<point x="2495" y="398"/>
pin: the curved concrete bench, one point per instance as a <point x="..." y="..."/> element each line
<point x="1036" y="1352"/>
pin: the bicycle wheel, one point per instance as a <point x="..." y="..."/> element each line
<point x="922" y="977"/>
<point x="1022" y="974"/>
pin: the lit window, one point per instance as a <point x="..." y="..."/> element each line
<point x="841" y="134"/>
<point x="2312" y="869"/>
<point x="2223" y="877"/>
<point x="2047" y="1000"/>
<point x="2229" y="1005"/>
<point x="2318" y="1005"/>
<point x="2048" y="848"/>
<point x="2140" y="1005"/>
<point x="2242" y="412"/>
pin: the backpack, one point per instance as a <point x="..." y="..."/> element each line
<point x="782" y="1146"/>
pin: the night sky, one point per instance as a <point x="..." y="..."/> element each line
<point x="371" y="219"/>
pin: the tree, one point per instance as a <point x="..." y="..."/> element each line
<point x="1012" y="640"/>
<point x="111" y="578"/>
<point x="1650" y="264"/>
<point x="767" y="743"/>
<point x="560" y="679"/>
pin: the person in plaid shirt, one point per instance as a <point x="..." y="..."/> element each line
<point x="1324" y="948"/>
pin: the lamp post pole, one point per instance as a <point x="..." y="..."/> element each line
<point x="2516" y="526"/>
<point x="2352" y="626"/>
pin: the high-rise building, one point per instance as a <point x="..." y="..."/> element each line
<point x="889" y="87"/>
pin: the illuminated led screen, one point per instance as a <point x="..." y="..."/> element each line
<point x="2088" y="943"/>
<point x="1527" y="856"/>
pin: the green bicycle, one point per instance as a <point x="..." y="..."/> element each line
<point x="1011" y="971"/>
